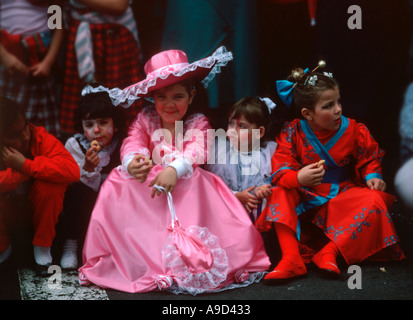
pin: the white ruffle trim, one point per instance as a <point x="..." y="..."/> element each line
<point x="250" y="279"/>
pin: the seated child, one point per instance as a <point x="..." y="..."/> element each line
<point x="96" y="151"/>
<point x="134" y="242"/>
<point x="245" y="163"/>
<point x="344" y="197"/>
<point x="31" y="153"/>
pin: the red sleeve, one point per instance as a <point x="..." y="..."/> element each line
<point x="289" y="180"/>
<point x="51" y="162"/>
<point x="10" y="179"/>
<point x="369" y="155"/>
<point x="285" y="165"/>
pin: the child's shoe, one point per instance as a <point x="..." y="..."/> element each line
<point x="287" y="269"/>
<point x="327" y="263"/>
<point x="43" y="259"/>
<point x="69" y="256"/>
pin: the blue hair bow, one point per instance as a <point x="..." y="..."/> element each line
<point x="285" y="90"/>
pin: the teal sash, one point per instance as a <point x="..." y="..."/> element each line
<point x="334" y="173"/>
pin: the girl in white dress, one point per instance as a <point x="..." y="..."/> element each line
<point x="245" y="163"/>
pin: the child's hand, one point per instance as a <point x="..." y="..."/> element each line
<point x="139" y="167"/>
<point x="376" y="184"/>
<point x="166" y="179"/>
<point x="91" y="160"/>
<point x="14" y="66"/>
<point x="40" y="70"/>
<point x="311" y="175"/>
<point x="249" y="200"/>
<point x="13" y="158"/>
<point x="263" y="191"/>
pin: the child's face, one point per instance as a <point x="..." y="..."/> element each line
<point x="100" y="129"/>
<point x="241" y="133"/>
<point x="18" y="136"/>
<point x="172" y="103"/>
<point x="327" y="111"/>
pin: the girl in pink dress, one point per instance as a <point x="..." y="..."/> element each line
<point x="129" y="246"/>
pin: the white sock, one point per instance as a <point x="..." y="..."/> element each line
<point x="5" y="254"/>
<point x="42" y="255"/>
<point x="69" y="256"/>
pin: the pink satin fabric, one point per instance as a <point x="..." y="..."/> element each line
<point x="195" y="254"/>
<point x="127" y="230"/>
<point x="165" y="59"/>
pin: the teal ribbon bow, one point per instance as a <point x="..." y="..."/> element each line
<point x="285" y="90"/>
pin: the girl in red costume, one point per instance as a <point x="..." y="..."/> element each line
<point x="344" y="196"/>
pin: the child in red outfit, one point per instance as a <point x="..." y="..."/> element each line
<point x="343" y="196"/>
<point x="30" y="154"/>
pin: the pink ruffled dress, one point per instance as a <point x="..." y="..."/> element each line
<point x="130" y="245"/>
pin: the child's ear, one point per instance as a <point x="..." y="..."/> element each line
<point x="262" y="131"/>
<point x="307" y="114"/>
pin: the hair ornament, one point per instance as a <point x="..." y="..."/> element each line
<point x="89" y="89"/>
<point x="296" y="75"/>
<point x="269" y="103"/>
<point x="321" y="64"/>
<point x="328" y="74"/>
<point x="312" y="81"/>
<point x="285" y="88"/>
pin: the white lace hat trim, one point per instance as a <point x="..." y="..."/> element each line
<point x="125" y="97"/>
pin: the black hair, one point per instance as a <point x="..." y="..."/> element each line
<point x="9" y="113"/>
<point x="99" y="105"/>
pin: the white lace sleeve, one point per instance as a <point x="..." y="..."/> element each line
<point x="90" y="179"/>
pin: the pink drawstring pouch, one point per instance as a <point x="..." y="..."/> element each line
<point x="193" y="255"/>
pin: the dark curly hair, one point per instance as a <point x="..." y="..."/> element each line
<point x="99" y="105"/>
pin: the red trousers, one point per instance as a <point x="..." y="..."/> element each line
<point x="46" y="201"/>
<point x="357" y="220"/>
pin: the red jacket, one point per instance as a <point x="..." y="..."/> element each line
<point x="51" y="162"/>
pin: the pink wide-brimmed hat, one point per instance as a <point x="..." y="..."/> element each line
<point x="167" y="68"/>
